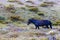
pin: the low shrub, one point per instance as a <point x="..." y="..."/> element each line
<point x="50" y="2"/>
<point x="30" y="2"/>
<point x="12" y="11"/>
<point x="34" y="9"/>
<point x="20" y="3"/>
<point x="23" y="8"/>
<point x="33" y="39"/>
<point x="16" y="18"/>
<point x="12" y="0"/>
<point x="44" y="39"/>
<point x="10" y="8"/>
<point x="40" y="13"/>
<point x="57" y="23"/>
<point x="44" y="5"/>
<point x="2" y="19"/>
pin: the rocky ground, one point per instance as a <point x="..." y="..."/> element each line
<point x="25" y="32"/>
<point x="24" y="10"/>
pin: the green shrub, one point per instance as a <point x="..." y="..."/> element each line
<point x="40" y="13"/>
<point x="16" y="18"/>
<point x="10" y="6"/>
<point x="34" y="9"/>
<point x="23" y="8"/>
<point x="7" y="21"/>
<point x="30" y="2"/>
<point x="29" y="6"/>
<point x="12" y="11"/>
<point x="37" y="17"/>
<point x="2" y="19"/>
<point x="12" y="0"/>
<point x="56" y="23"/>
<point x="44" y="5"/>
<point x="50" y="2"/>
<point x="44" y="39"/>
<point x="20" y="3"/>
<point x="33" y="39"/>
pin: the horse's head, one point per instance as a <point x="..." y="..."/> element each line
<point x="29" y="21"/>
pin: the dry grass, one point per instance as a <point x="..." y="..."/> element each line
<point x="2" y="25"/>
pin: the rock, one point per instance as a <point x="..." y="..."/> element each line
<point x="12" y="35"/>
<point x="52" y="32"/>
<point x="3" y="31"/>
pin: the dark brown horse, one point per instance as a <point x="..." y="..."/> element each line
<point x="38" y="23"/>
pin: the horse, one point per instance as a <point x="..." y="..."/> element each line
<point x="38" y="23"/>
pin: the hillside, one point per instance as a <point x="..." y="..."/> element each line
<point x="31" y="8"/>
<point x="14" y="15"/>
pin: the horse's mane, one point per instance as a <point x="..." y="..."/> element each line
<point x="37" y="19"/>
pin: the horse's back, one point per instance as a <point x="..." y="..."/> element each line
<point x="46" y="21"/>
<point x="41" y="21"/>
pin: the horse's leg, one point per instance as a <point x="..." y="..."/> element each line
<point x="37" y="27"/>
<point x="47" y="26"/>
<point x="51" y="26"/>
